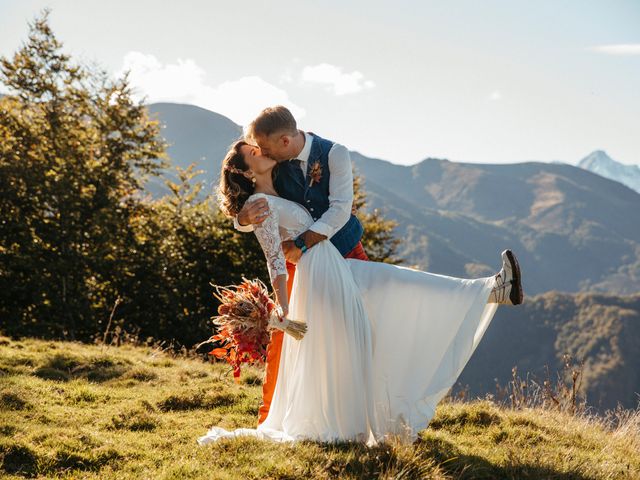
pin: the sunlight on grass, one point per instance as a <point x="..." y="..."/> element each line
<point x="70" y="410"/>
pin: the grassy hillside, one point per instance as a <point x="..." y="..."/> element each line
<point x="601" y="329"/>
<point x="70" y="410"/>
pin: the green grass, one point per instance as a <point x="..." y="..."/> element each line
<point x="69" y="410"/>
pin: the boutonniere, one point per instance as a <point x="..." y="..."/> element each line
<point x="316" y="173"/>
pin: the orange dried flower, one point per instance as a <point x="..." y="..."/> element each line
<point x="315" y="173"/>
<point x="243" y="318"/>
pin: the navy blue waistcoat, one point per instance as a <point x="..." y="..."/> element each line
<point x="290" y="183"/>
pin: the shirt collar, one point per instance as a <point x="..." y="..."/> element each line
<point x="306" y="150"/>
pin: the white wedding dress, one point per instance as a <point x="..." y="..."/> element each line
<point x="384" y="343"/>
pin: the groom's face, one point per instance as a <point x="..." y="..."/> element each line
<point x="276" y="146"/>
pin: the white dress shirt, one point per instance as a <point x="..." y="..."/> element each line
<point x="340" y="189"/>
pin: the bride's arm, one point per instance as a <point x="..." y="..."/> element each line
<point x="280" y="289"/>
<point x="268" y="236"/>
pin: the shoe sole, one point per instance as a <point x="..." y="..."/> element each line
<point x="516" y="295"/>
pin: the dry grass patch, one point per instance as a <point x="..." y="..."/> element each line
<point x="135" y="412"/>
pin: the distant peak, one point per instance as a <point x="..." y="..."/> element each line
<point x="602" y="164"/>
<point x="597" y="157"/>
<point x="599" y="153"/>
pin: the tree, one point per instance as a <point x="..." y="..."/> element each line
<point x="73" y="150"/>
<point x="378" y="240"/>
<point x="77" y="233"/>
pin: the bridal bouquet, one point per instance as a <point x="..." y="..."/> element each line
<point x="246" y="316"/>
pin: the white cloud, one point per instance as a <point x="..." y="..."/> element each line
<point x="495" y="95"/>
<point x="286" y="76"/>
<point x="184" y="82"/>
<point x="619" y="49"/>
<point x="335" y="79"/>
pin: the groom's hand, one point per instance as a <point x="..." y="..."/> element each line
<point x="293" y="253"/>
<point x="254" y="212"/>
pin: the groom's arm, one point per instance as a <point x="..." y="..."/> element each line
<point x="340" y="193"/>
<point x="340" y="203"/>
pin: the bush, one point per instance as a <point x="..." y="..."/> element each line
<point x="78" y="234"/>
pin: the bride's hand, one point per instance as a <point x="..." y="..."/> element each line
<point x="285" y="310"/>
<point x="291" y="253"/>
<point x="254" y="213"/>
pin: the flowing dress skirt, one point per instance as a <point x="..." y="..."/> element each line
<point x="384" y="344"/>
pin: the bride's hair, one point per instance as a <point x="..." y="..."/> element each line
<point x="234" y="188"/>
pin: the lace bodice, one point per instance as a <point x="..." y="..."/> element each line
<point x="286" y="221"/>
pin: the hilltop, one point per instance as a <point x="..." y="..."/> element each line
<point x="72" y="410"/>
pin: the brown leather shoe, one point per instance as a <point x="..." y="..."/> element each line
<point x="508" y="289"/>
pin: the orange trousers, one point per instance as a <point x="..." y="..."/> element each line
<point x="275" y="345"/>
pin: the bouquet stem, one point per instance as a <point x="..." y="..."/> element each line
<point x="293" y="327"/>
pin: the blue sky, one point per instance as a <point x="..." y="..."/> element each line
<point x="491" y="82"/>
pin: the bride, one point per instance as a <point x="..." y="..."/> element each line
<point x="384" y="343"/>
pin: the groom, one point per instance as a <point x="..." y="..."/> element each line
<point x="315" y="173"/>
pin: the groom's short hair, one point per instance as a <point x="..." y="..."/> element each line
<point x="273" y="120"/>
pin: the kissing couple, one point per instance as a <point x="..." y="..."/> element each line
<point x="384" y="343"/>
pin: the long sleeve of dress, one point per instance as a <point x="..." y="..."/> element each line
<point x="241" y="228"/>
<point x="269" y="238"/>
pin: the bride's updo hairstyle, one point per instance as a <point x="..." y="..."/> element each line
<point x="234" y="188"/>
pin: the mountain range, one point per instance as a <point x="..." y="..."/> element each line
<point x="572" y="229"/>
